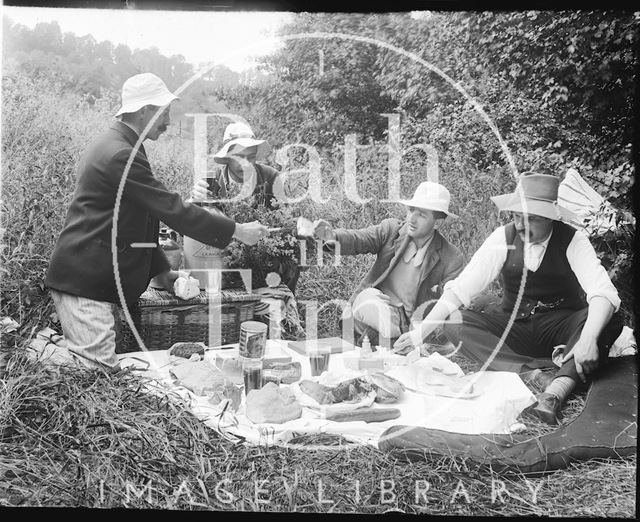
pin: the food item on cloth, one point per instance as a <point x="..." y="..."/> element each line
<point x="318" y="392"/>
<point x="232" y="369"/>
<point x="186" y="350"/>
<point x="426" y="380"/>
<point x="199" y="377"/>
<point x="352" y="390"/>
<point x="229" y="392"/>
<point x="387" y="388"/>
<point x="272" y="404"/>
<point x="285" y="373"/>
<point x="364" y="414"/>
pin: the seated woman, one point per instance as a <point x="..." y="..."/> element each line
<point x="239" y="154"/>
<point x="244" y="176"/>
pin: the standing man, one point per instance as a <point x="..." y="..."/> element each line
<point x="567" y="299"/>
<point x="81" y="273"/>
<point x="413" y="263"/>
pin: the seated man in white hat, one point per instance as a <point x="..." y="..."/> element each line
<point x="556" y="294"/>
<point x="88" y="278"/>
<point x="413" y="263"/>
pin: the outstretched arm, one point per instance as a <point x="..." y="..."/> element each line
<point x="367" y="240"/>
<point x="444" y="307"/>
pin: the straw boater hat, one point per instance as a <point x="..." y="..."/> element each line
<point x="144" y="89"/>
<point x="430" y="196"/>
<point x="535" y="194"/>
<point x="240" y="134"/>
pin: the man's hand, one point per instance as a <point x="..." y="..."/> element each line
<point x="585" y="354"/>
<point x="408" y="341"/>
<point x="250" y="233"/>
<point x="200" y="190"/>
<point x="323" y="230"/>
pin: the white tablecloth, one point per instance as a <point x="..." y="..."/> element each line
<point x="500" y="398"/>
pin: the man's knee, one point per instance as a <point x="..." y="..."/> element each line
<point x="370" y="310"/>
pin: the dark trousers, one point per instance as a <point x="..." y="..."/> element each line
<point x="529" y="342"/>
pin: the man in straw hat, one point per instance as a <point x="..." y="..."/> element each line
<point x="81" y="273"/>
<point x="413" y="262"/>
<point x="556" y="294"/>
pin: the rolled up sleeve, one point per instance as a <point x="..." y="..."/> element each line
<point x="591" y="275"/>
<point x="482" y="269"/>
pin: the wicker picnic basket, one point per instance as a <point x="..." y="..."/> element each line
<point x="162" y="319"/>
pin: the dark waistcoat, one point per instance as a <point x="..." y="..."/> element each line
<point x="552" y="286"/>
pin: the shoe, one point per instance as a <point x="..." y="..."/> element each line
<point x="547" y="408"/>
<point x="540" y="379"/>
<point x="545" y="378"/>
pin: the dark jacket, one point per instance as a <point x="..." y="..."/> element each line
<point x="82" y="259"/>
<point x="388" y="240"/>
<point x="263" y="191"/>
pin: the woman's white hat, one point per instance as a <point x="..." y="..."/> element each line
<point x="430" y="196"/>
<point x="144" y="89"/>
<point x="240" y="134"/>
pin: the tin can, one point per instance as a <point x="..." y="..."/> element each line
<point x="253" y="340"/>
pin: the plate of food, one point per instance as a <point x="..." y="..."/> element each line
<point x="348" y="395"/>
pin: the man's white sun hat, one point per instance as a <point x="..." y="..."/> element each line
<point x="430" y="196"/>
<point x="144" y="89"/>
<point x="239" y="133"/>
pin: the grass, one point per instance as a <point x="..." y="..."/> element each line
<point x="81" y="438"/>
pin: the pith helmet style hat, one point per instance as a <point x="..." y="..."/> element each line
<point x="240" y="134"/>
<point x="144" y="89"/>
<point x="430" y="196"/>
<point x="535" y="194"/>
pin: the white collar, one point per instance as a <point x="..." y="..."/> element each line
<point x="415" y="253"/>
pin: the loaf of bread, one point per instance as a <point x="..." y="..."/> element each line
<point x="199" y="377"/>
<point x="365" y="414"/>
<point x="387" y="388"/>
<point x="272" y="404"/>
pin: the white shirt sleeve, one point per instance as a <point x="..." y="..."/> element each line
<point x="482" y="269"/>
<point x="591" y="275"/>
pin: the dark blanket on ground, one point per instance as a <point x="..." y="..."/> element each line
<point x="606" y="428"/>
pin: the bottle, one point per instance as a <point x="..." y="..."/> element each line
<point x="171" y="248"/>
<point x="200" y="258"/>
<point x="366" y="346"/>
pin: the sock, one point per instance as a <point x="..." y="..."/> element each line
<point x="561" y="387"/>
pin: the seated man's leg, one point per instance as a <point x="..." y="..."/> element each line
<point x="89" y="328"/>
<point x="370" y="312"/>
<point x="480" y="333"/>
<point x="565" y="327"/>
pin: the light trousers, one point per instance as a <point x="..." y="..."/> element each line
<point x="381" y="321"/>
<point x="89" y="328"/>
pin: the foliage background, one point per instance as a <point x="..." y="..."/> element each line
<point x="558" y="85"/>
